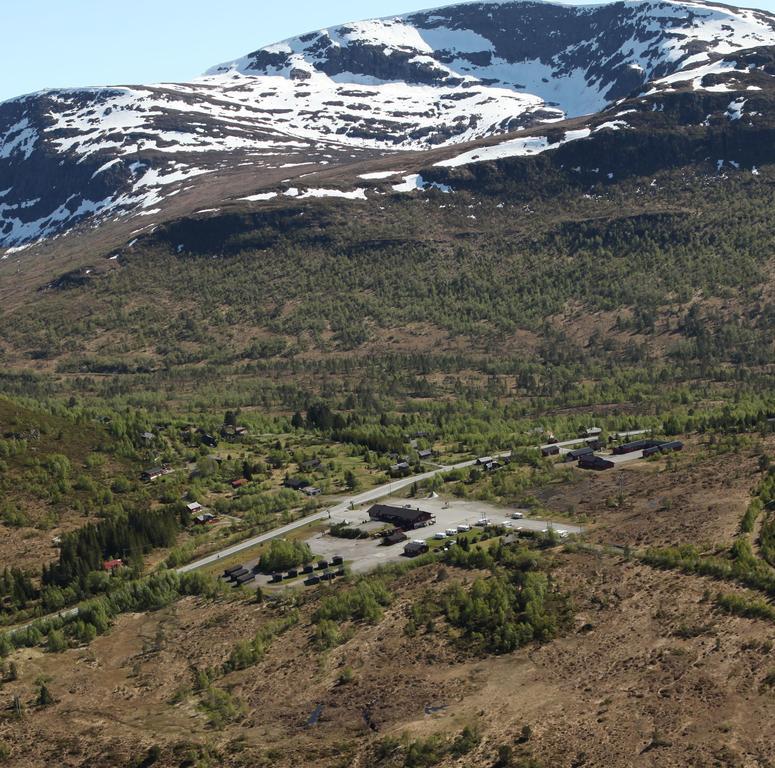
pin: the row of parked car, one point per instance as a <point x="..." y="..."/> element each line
<point x="309" y="571"/>
<point x="464" y="527"/>
<point x="441" y="535"/>
<point x="239" y="575"/>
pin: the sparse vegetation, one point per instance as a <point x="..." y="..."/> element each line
<point x="424" y="753"/>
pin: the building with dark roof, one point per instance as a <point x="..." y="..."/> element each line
<point x="396" y="537"/>
<point x="402" y="469"/>
<point x="416" y="548"/>
<point x="637" y="445"/>
<point x="154" y="474"/>
<point x="405" y="518"/>
<point x="578" y="453"/>
<point x="296" y="484"/>
<point x="598" y="463"/>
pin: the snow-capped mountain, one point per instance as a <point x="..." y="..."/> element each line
<point x="413" y="82"/>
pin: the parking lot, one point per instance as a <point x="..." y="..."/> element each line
<point x="363" y="555"/>
<point x="366" y="554"/>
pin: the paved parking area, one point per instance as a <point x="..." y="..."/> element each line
<point x="363" y="555"/>
<point x="619" y="460"/>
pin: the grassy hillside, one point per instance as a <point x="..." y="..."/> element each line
<point x="673" y="270"/>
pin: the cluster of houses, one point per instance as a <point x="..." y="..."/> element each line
<point x="647" y="447"/>
<point x="403" y="466"/>
<point x="232" y="433"/>
<point x="301" y="484"/>
<point x="583" y="450"/>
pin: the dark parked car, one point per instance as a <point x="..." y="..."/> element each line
<point x="311" y="581"/>
<point x="322" y="565"/>
<point x="292" y="574"/>
<point x="337" y="560"/>
<point x="276" y="578"/>
<point x="308" y="569"/>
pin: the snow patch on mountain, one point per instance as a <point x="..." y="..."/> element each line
<point x="438" y="78"/>
<point x="19" y="138"/>
<point x="735" y="109"/>
<point x="415" y="182"/>
<point x="377" y="175"/>
<point x="533" y="145"/>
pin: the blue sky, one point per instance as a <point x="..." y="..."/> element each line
<point x="64" y="43"/>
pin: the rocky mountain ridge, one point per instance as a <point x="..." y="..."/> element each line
<point x="358" y="92"/>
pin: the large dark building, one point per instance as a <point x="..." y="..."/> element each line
<point x="405" y="518"/>
<point x="637" y="445"/>
<point x="578" y="453"/>
<point x="598" y="463"/>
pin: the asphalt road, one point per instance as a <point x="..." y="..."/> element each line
<point x="340" y="509"/>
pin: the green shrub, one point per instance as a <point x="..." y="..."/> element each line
<point x="44" y="697"/>
<point x="220" y="707"/>
<point x="364" y="602"/>
<point x="751" y="516"/>
<point x="747" y="607"/>
<point x="327" y="634"/>
<point x="346" y="676"/>
<point x="283" y="555"/>
<point x="343" y="531"/>
<point x="56" y="641"/>
<point x="467" y="741"/>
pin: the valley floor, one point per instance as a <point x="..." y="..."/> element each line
<point x="649" y="673"/>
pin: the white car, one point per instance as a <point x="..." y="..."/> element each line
<point x="463" y="528"/>
<point x="517" y="516"/>
<point x="440" y="536"/>
<point x="451" y="532"/>
<point x="483" y="522"/>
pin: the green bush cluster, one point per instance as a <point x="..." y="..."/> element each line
<point x="282" y="555"/>
<point x="751" y="608"/>
<point x="740" y="565"/>
<point x="363" y="602"/>
<point x="96" y="616"/>
<point x="511" y="607"/>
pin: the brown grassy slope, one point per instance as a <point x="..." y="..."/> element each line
<point x="650" y="674"/>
